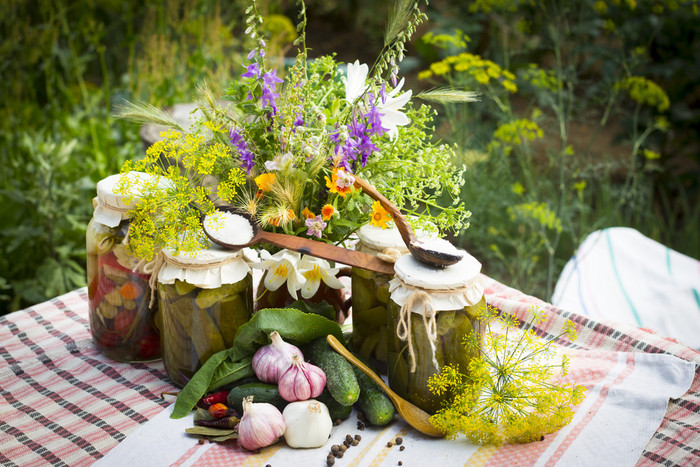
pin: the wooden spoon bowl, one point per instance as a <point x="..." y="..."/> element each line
<point x="422" y="252"/>
<point x="414" y="416"/>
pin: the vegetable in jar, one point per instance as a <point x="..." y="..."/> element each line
<point x="203" y="300"/>
<point x="430" y="314"/>
<point x="122" y="313"/>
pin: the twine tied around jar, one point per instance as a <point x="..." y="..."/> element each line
<point x="403" y="326"/>
<point x="429" y="314"/>
<point x="154" y="266"/>
<point x="390" y="255"/>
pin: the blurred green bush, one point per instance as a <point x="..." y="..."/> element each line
<point x="64" y="65"/>
<point x="572" y="133"/>
<point x="588" y="119"/>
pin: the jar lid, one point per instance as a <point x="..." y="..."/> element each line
<point x="114" y="207"/>
<point x="453" y="287"/>
<point x="378" y="238"/>
<point x="208" y="268"/>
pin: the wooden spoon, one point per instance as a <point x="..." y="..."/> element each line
<point x="414" y="416"/>
<point x="302" y="245"/>
<point x="418" y="249"/>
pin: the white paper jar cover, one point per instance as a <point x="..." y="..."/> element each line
<point x="111" y="208"/>
<point x="226" y="267"/>
<point x="374" y="239"/>
<point x="462" y="279"/>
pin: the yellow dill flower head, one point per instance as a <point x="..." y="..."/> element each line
<point x="425" y="74"/>
<point x="440" y="68"/>
<point x="379" y="216"/>
<point x="265" y="181"/>
<point x="645" y="92"/>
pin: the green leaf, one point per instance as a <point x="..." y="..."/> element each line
<point x="206" y="431"/>
<point x="227" y="372"/>
<point x="322" y="308"/>
<point x="293" y="325"/>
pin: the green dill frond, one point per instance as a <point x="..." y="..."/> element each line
<point x="445" y="95"/>
<point x="142" y="112"/>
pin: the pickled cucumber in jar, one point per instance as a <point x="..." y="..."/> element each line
<point x="203" y="300"/>
<point x="437" y="309"/>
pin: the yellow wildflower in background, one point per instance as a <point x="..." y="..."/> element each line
<point x="645" y="91"/>
<point x="379" y="216"/>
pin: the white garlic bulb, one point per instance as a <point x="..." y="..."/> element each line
<point x="308" y="424"/>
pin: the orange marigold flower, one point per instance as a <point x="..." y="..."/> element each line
<point x="379" y="216"/>
<point x="265" y="181"/>
<point x="327" y="211"/>
<point x="341" y="182"/>
<point x="284" y="218"/>
<point x="308" y="214"/>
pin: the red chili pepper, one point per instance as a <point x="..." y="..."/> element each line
<point x="218" y="410"/>
<point x="214" y="398"/>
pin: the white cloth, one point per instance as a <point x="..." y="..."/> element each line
<point x="626" y="399"/>
<point x="618" y="274"/>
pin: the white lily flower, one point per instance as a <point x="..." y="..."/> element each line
<point x="356" y="81"/>
<point x="390" y="113"/>
<point x="282" y="267"/>
<point x="314" y="271"/>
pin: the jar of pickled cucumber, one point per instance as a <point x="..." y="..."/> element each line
<point x="203" y="300"/>
<point x="121" y="310"/>
<point x="370" y="290"/>
<point x="431" y="312"/>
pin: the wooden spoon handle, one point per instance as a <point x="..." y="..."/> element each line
<point x="327" y="251"/>
<point x="404" y="229"/>
<point x="340" y="348"/>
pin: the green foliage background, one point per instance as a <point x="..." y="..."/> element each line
<point x="65" y="64"/>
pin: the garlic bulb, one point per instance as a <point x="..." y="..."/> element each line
<point x="261" y="425"/>
<point x="301" y="381"/>
<point x="308" y="424"/>
<point x="270" y="361"/>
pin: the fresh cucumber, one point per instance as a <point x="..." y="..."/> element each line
<point x="340" y="377"/>
<point x="373" y="402"/>
<point x="335" y="410"/>
<point x="261" y="392"/>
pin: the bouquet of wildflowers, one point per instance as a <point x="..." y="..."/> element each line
<point x="286" y="145"/>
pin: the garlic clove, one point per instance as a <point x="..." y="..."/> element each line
<point x="308" y="424"/>
<point x="272" y="360"/>
<point x="261" y="425"/>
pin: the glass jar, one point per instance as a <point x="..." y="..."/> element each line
<point x="121" y="310"/>
<point x="370" y="291"/>
<point x="431" y="312"/>
<point x="203" y="300"/>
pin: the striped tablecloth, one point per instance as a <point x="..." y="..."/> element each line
<point x="62" y="403"/>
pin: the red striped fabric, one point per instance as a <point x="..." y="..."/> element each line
<point x="62" y="403"/>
